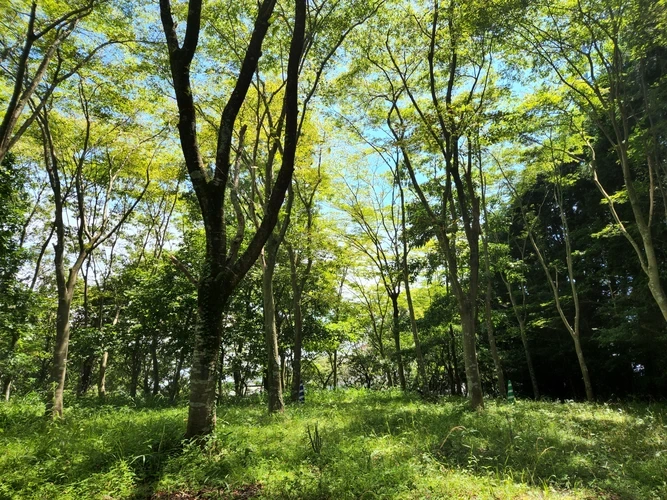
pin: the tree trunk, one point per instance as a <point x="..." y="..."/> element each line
<point x="136" y="369"/>
<point x="502" y="386"/>
<point x="86" y="375"/>
<point x="584" y="369"/>
<point x="283" y="372"/>
<point x="7" y="388"/>
<point x="101" y="382"/>
<point x="59" y="366"/>
<point x="335" y="370"/>
<point x="396" y="331"/>
<point x="156" y="367"/>
<point x="455" y="362"/>
<point x="275" y="394"/>
<point x="211" y="303"/>
<point x="421" y="365"/>
<point x="147" y="387"/>
<point x="473" y="382"/>
<point x="450" y="370"/>
<point x="521" y="320"/>
<point x="529" y="360"/>
<point x="175" y="384"/>
<point x="7" y="382"/>
<point x="298" y="329"/>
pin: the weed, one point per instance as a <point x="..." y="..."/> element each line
<point x="376" y="445"/>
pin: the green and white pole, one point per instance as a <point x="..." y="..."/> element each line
<point x="510" y="392"/>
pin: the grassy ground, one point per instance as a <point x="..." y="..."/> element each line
<point x="368" y="445"/>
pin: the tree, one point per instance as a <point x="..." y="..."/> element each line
<point x="374" y="209"/>
<point x="595" y="48"/>
<point x="573" y="327"/>
<point x="100" y="208"/>
<point x="224" y="267"/>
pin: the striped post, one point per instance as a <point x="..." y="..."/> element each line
<point x="302" y="393"/>
<point x="510" y="392"/>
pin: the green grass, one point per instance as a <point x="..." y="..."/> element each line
<point x="373" y="445"/>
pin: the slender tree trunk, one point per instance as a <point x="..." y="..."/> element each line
<point x="147" y="387"/>
<point x="529" y="360"/>
<point x="59" y="366"/>
<point x="156" y="367"/>
<point x="584" y="369"/>
<point x="455" y="362"/>
<point x="335" y="370"/>
<point x="421" y="365"/>
<point x="502" y="387"/>
<point x="275" y="398"/>
<point x="102" y="380"/>
<point x="521" y="320"/>
<point x="450" y="370"/>
<point x="298" y="329"/>
<point x="176" y="382"/>
<point x="136" y="368"/>
<point x="86" y="375"/>
<point x="7" y="388"/>
<point x="396" y="331"/>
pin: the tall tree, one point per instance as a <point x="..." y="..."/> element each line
<point x="596" y="49"/>
<point x="224" y="267"/>
<point x="100" y="209"/>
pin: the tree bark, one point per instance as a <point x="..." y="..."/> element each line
<point x="396" y="332"/>
<point x="59" y="364"/>
<point x="86" y="375"/>
<point x="520" y="317"/>
<point x="102" y="380"/>
<point x="455" y="363"/>
<point x="275" y="393"/>
<point x="156" y="367"/>
<point x="224" y="268"/>
<point x="335" y="370"/>
<point x="212" y="298"/>
<point x="296" y="360"/>
<point x="7" y="388"/>
<point x="421" y="365"/>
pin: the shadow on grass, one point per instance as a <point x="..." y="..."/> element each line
<point x="373" y="445"/>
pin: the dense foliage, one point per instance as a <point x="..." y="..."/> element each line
<point x="208" y="200"/>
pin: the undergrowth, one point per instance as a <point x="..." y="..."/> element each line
<point x="344" y="444"/>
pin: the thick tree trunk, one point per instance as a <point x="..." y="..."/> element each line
<point x="211" y="300"/>
<point x="102" y="377"/>
<point x="275" y="394"/>
<point x="396" y="332"/>
<point x="473" y="381"/>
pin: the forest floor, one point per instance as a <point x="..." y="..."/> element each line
<point x="364" y="444"/>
